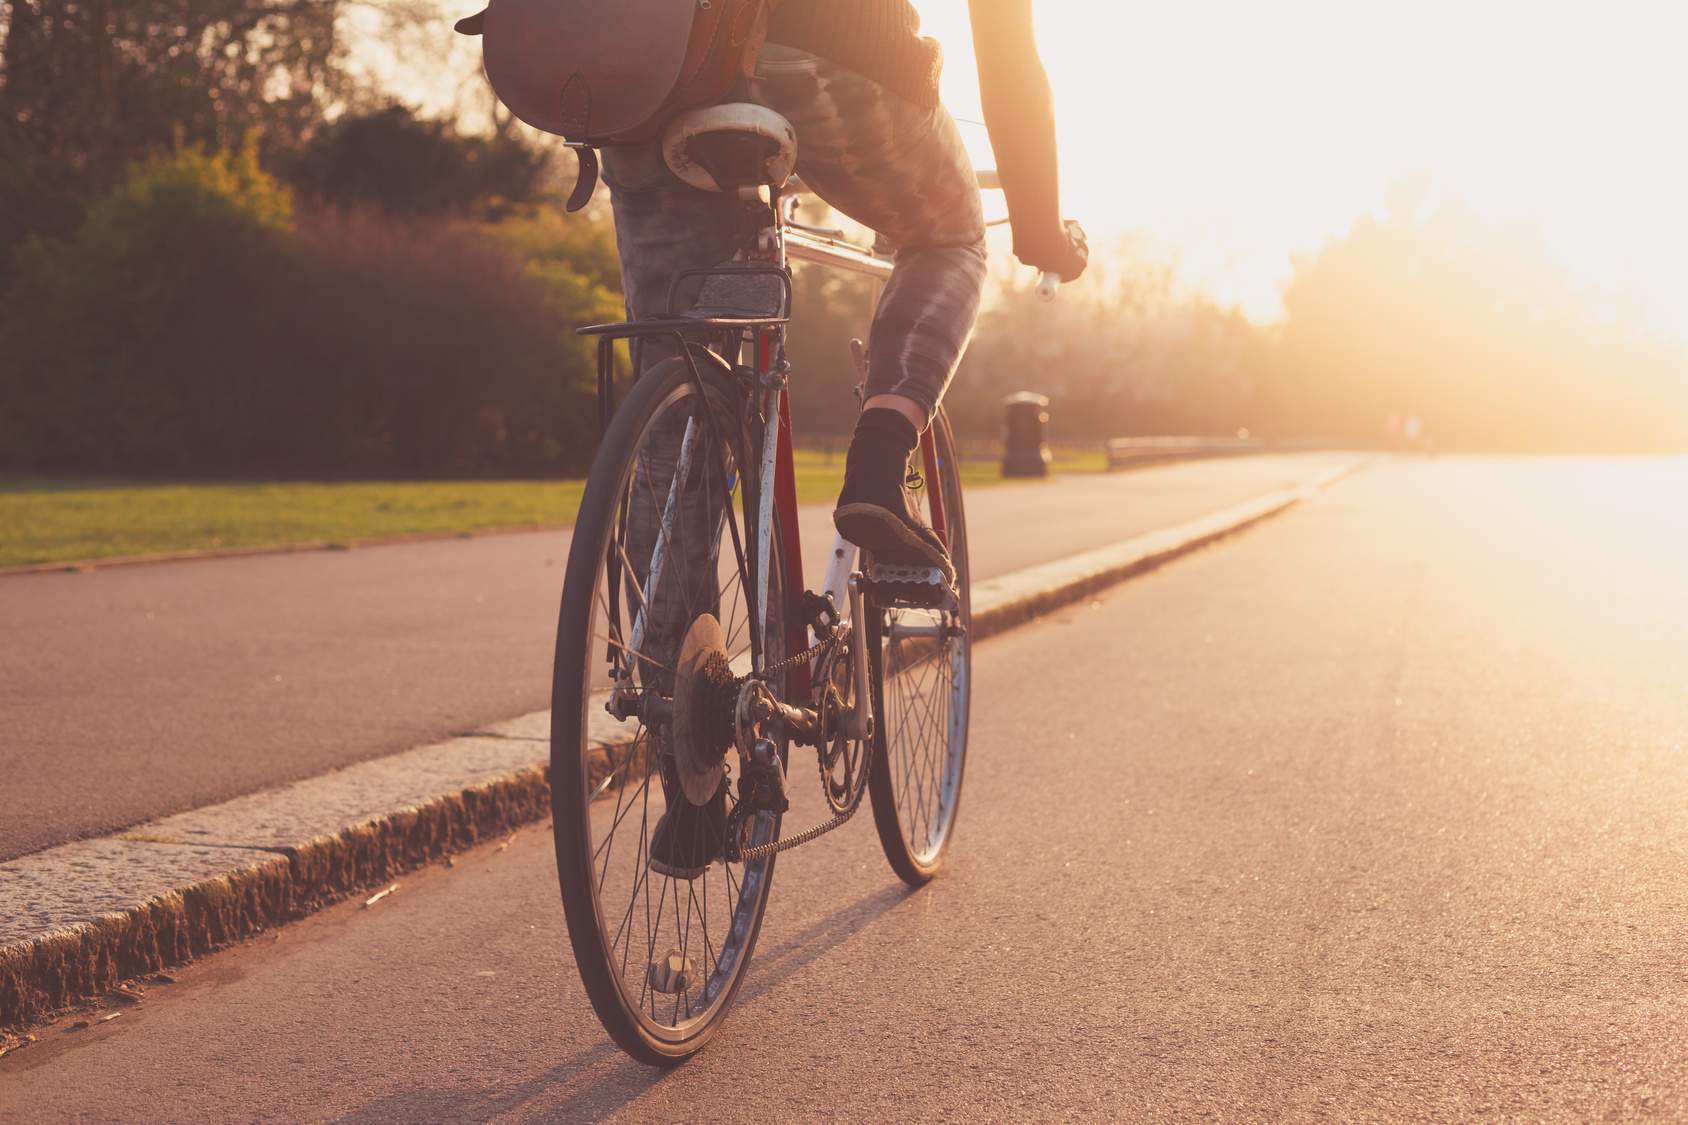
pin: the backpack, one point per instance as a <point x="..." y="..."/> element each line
<point x="612" y="72"/>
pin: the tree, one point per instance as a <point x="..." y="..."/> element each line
<point x="394" y="161"/>
<point x="89" y="86"/>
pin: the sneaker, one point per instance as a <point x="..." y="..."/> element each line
<point x="874" y="512"/>
<point x="688" y="838"/>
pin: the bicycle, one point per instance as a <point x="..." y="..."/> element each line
<point x="683" y="638"/>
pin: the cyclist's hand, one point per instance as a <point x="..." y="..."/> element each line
<point x="1064" y="253"/>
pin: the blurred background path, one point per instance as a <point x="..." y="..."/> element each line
<point x="134" y="692"/>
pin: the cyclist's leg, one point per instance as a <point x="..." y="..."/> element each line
<point x="901" y="169"/>
<point x="663" y="226"/>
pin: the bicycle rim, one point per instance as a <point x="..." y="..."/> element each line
<point x="608" y="788"/>
<point x="922" y="686"/>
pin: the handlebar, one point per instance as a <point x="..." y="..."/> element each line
<point x="836" y="254"/>
<point x="1048" y="282"/>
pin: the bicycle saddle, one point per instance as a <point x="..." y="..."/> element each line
<point x="729" y="146"/>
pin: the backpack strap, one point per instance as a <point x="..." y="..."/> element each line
<point x="577" y="109"/>
<point x="753" y="42"/>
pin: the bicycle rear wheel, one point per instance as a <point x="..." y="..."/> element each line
<point x="922" y="684"/>
<point x="662" y="957"/>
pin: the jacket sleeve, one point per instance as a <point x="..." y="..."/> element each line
<point x="1020" y="115"/>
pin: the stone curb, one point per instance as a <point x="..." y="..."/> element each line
<point x="79" y="918"/>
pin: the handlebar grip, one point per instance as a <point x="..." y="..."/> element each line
<point x="1048" y="282"/>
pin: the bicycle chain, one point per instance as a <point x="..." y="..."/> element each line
<point x="803" y="837"/>
<point x="749" y="855"/>
<point x="792" y="664"/>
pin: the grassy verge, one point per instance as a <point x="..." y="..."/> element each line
<point x="46" y="520"/>
<point x="61" y="522"/>
<point x="820" y="473"/>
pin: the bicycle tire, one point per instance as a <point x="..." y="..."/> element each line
<point x="607" y="795"/>
<point x="921" y="697"/>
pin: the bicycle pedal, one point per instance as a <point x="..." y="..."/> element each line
<point x="922" y="586"/>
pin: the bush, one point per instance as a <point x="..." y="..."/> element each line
<point x="554" y="243"/>
<point x="394" y="162"/>
<point x="87" y="374"/>
<point x="85" y="89"/>
<point x="194" y="326"/>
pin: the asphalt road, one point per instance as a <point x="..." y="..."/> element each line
<point x="1371" y="813"/>
<point x="137" y="692"/>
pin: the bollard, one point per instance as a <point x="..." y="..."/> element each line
<point x="1025" y="435"/>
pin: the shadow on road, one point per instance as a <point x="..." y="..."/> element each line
<point x="773" y="966"/>
<point x="576" y="1087"/>
<point x="597" y="1082"/>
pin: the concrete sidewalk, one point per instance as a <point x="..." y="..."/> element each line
<point x="77" y="918"/>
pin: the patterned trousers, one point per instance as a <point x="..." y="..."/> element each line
<point x="892" y="166"/>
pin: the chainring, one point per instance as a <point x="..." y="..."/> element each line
<point x="843" y="761"/>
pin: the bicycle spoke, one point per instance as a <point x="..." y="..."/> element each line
<point x="645" y="656"/>
<point x="644" y="787"/>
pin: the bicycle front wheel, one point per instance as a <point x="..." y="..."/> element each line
<point x="662" y="955"/>
<point x="922" y="684"/>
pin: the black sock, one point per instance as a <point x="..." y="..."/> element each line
<point x="878" y="459"/>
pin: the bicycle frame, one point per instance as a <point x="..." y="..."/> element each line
<point x="777" y="472"/>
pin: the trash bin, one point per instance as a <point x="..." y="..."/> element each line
<point x="1025" y="437"/>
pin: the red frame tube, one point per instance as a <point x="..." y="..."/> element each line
<point x="934" y="487"/>
<point x="785" y="506"/>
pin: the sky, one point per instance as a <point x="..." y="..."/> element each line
<point x="1241" y="134"/>
<point x="1248" y="133"/>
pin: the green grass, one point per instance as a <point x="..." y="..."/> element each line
<point x="57" y="519"/>
<point x="60" y="521"/>
<point x="820" y="473"/>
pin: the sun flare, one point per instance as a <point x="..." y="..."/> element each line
<point x="1246" y="133"/>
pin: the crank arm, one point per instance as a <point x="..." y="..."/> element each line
<point x="857" y="722"/>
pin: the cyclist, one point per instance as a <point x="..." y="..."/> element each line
<point x="860" y="87"/>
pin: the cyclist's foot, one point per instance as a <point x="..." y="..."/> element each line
<point x="873" y="511"/>
<point x="689" y="837"/>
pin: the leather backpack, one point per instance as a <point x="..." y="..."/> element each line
<point x="612" y="72"/>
